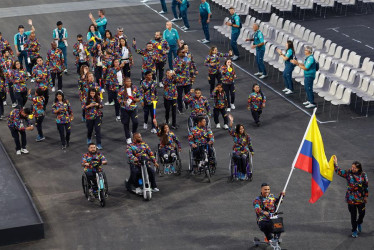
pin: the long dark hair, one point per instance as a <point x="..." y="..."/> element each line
<point x="96" y="97"/>
<point x="120" y="45"/>
<point x="14" y="64"/>
<point x="115" y="59"/>
<point x="110" y="33"/>
<point x="89" y="28"/>
<point x="253" y="87"/>
<point x="358" y="166"/>
<point x="290" y="46"/>
<point x="59" y="92"/>
<point x="237" y="130"/>
<point x="164" y="136"/>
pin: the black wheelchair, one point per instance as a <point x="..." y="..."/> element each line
<point x="233" y="168"/>
<point x="192" y="121"/>
<point x="278" y="229"/>
<point x="172" y="165"/>
<point x="98" y="190"/>
<point x="203" y="164"/>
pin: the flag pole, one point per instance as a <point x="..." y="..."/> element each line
<point x="294" y="161"/>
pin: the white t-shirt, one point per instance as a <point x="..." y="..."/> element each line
<point x="125" y="53"/>
<point x="81" y="54"/>
<point x="129" y="93"/>
<point x="119" y="77"/>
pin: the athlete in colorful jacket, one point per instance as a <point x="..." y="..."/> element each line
<point x="32" y="46"/>
<point x="183" y="69"/>
<point x="197" y="102"/>
<point x="17" y="121"/>
<point x="200" y="135"/>
<point x="111" y="78"/>
<point x="19" y="78"/>
<point x="37" y="104"/>
<point x="91" y="157"/>
<point x="228" y="74"/>
<point x="161" y="48"/>
<point x="63" y="111"/>
<point x="41" y="75"/>
<point x="242" y="142"/>
<point x="170" y="87"/>
<point x="80" y="51"/>
<point x="4" y="45"/>
<point x="148" y="56"/>
<point x="220" y="99"/>
<point x="256" y="100"/>
<point x="212" y="61"/>
<point x="126" y="101"/>
<point x="148" y="91"/>
<point x="55" y="59"/>
<point x="138" y="149"/>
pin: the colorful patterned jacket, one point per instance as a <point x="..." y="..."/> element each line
<point x="198" y="105"/>
<point x="265" y="204"/>
<point x="139" y="150"/>
<point x="172" y="140"/>
<point x="63" y="111"/>
<point x="16" y="122"/>
<point x="86" y="87"/>
<point x="161" y="48"/>
<point x="109" y="45"/>
<point x="33" y="48"/>
<point x="42" y="77"/>
<point x="93" y="112"/>
<point x="6" y="65"/>
<point x="37" y="105"/>
<point x="85" y="53"/>
<point x="107" y="63"/>
<point x="111" y="79"/>
<point x="55" y="60"/>
<point x="170" y="88"/>
<point x="228" y="76"/>
<point x="96" y="158"/>
<point x="255" y="101"/>
<point x="242" y="143"/>
<point x="220" y="100"/>
<point x="357" y="185"/>
<point x="149" y="58"/>
<point x="3" y="86"/>
<point x="21" y="77"/>
<point x="4" y="44"/>
<point x="148" y="92"/>
<point x="199" y="135"/>
<point x="183" y="70"/>
<point x="124" y="99"/>
<point x="214" y="59"/>
<point x="118" y="55"/>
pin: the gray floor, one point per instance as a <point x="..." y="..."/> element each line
<point x="187" y="213"/>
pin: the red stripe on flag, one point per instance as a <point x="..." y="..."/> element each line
<point x="316" y="192"/>
<point x="304" y="163"/>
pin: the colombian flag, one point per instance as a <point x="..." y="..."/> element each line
<point x="311" y="158"/>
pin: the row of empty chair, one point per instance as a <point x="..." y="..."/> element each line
<point x="337" y="65"/>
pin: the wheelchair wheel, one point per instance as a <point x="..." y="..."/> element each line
<point x="178" y="164"/>
<point x="207" y="173"/>
<point x="102" y="198"/>
<point x="190" y="167"/>
<point x="85" y="185"/>
<point x="231" y="177"/>
<point x="147" y="195"/>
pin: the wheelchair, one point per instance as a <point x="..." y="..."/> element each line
<point x="204" y="164"/>
<point x="165" y="166"/>
<point x="143" y="180"/>
<point x="97" y="191"/>
<point x="277" y="230"/>
<point x="192" y="122"/>
<point x="233" y="168"/>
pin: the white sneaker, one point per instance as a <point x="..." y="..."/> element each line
<point x="234" y="58"/>
<point x="118" y="118"/>
<point x="205" y="41"/>
<point x="28" y="74"/>
<point x="4" y="103"/>
<point x="162" y="12"/>
<point x="139" y="191"/>
<point x="285" y="89"/>
<point x="53" y="89"/>
<point x="310" y="105"/>
<point x="228" y="109"/>
<point x="180" y="18"/>
<point x="154" y="131"/>
<point x="65" y="71"/>
<point x="18" y="152"/>
<point x="32" y="80"/>
<point x="145" y="126"/>
<point x="306" y="103"/>
<point x="232" y="106"/>
<point x="185" y="29"/>
<point x="103" y="90"/>
<point x="107" y="103"/>
<point x="288" y="92"/>
<point x="263" y="76"/>
<point x="258" y="74"/>
<point x="161" y="84"/>
<point x="128" y="141"/>
<point x="24" y="151"/>
<point x="225" y="126"/>
<point x="174" y="19"/>
<point x="155" y="190"/>
<point x="14" y="105"/>
<point x="218" y="125"/>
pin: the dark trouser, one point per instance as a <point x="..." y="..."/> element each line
<point x="256" y="115"/>
<point x="79" y="65"/>
<point x="91" y="178"/>
<point x="216" y="113"/>
<point x="163" y="6"/>
<point x="172" y="52"/>
<point x="91" y="124"/>
<point x="32" y="64"/>
<point x="15" y="136"/>
<point x="174" y="5"/>
<point x="23" y="56"/>
<point x="267" y="228"/>
<point x="135" y="174"/>
<point x="308" y="84"/>
<point x="21" y="98"/>
<point x="212" y="81"/>
<point x="165" y="153"/>
<point x="198" y="151"/>
<point x="62" y="128"/>
<point x="230" y="92"/>
<point x="234" y="44"/>
<point x="11" y="92"/>
<point x="185" y="18"/>
<point x="241" y="162"/>
<point x="260" y="60"/>
<point x="160" y="66"/>
<point x="180" y="89"/>
<point x="99" y="75"/>
<point x="126" y="70"/>
<point x="171" y="104"/>
<point x="126" y="115"/>
<point x="361" y="213"/>
<point x="65" y="56"/>
<point x="112" y="96"/>
<point x="205" y="27"/>
<point x="59" y="79"/>
<point x="287" y="76"/>
<point x="38" y="125"/>
<point x="2" y="95"/>
<point x="148" y="111"/>
<point x="46" y="98"/>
